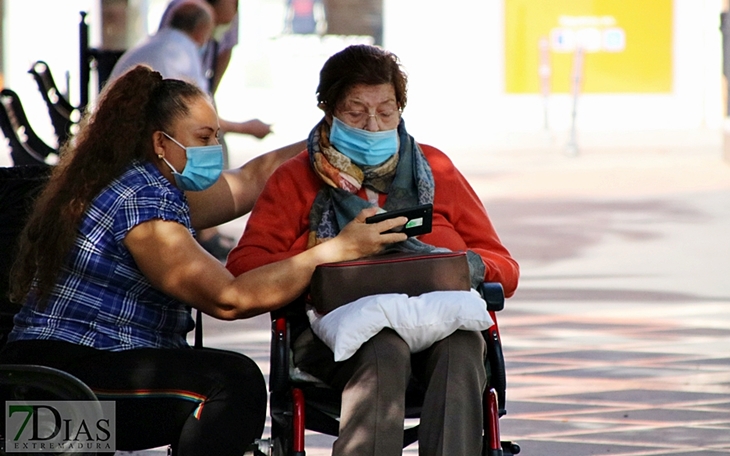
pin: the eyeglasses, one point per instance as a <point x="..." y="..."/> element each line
<point x="360" y="118"/>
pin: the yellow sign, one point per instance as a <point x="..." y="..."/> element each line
<point x="626" y="46"/>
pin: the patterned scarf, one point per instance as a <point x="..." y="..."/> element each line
<point x="406" y="178"/>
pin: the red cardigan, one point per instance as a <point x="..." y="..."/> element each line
<point x="278" y="227"/>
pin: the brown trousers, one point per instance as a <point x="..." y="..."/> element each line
<point x="373" y="384"/>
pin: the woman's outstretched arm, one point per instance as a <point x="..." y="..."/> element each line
<point x="235" y="192"/>
<point x="174" y="263"/>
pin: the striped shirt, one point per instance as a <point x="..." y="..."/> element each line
<point x="101" y="298"/>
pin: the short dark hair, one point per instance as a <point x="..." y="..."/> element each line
<point x="189" y="16"/>
<point x="360" y="64"/>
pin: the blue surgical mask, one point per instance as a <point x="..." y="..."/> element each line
<point x="361" y="146"/>
<point x="203" y="168"/>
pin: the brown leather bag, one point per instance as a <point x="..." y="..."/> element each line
<point x="336" y="284"/>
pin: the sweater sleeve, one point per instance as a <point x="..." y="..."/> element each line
<point x="461" y="222"/>
<point x="278" y="226"/>
<point x="279" y="223"/>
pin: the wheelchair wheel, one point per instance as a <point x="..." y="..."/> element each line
<point x="279" y="447"/>
<point x="510" y="448"/>
<point x="261" y="447"/>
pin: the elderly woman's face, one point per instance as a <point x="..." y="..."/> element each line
<point x="370" y="107"/>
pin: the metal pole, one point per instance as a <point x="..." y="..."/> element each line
<point x="571" y="148"/>
<point x="725" y="30"/>
<point x="84" y="70"/>
<point x="544" y="71"/>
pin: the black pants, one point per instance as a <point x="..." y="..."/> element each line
<point x="200" y="401"/>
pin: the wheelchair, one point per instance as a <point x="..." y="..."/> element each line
<point x="18" y="187"/>
<point x="297" y="405"/>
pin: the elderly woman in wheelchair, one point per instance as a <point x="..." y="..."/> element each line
<point x="360" y="155"/>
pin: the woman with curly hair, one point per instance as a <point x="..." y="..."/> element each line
<point x="108" y="269"/>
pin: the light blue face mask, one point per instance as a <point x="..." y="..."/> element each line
<point x="204" y="166"/>
<point x="361" y="146"/>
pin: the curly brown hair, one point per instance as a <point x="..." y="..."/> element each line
<point x="118" y="132"/>
<point x="360" y="64"/>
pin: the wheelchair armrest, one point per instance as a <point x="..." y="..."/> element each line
<point x="493" y="294"/>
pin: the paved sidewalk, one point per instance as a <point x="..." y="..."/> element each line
<point x="618" y="339"/>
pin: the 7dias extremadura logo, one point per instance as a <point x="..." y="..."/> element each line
<point x="60" y="426"/>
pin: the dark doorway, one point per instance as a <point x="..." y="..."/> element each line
<point x="355" y="17"/>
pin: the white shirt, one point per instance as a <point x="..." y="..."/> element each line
<point x="170" y="52"/>
<point x="229" y="40"/>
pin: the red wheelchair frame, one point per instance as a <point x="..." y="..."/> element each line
<point x="297" y="405"/>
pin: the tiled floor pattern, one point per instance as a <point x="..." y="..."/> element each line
<point x="588" y="381"/>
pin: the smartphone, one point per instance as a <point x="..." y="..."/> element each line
<point x="419" y="219"/>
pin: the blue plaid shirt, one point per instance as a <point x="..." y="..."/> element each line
<point x="101" y="298"/>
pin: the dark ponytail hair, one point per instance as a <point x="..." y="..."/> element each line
<point x="111" y="137"/>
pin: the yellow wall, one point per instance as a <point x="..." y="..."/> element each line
<point x="628" y="44"/>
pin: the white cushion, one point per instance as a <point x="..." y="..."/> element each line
<point x="419" y="320"/>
